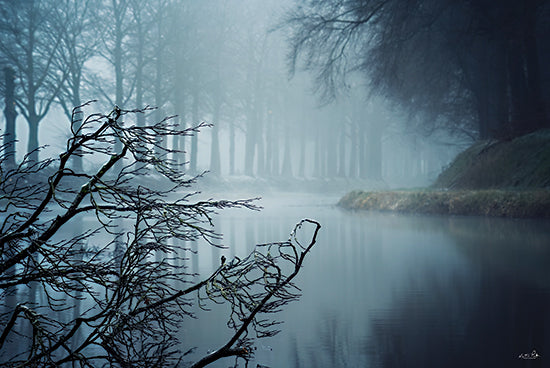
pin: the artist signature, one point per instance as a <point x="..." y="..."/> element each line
<point x="530" y="356"/>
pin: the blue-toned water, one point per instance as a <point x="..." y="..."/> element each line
<point x="388" y="290"/>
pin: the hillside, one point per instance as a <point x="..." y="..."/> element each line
<point x="522" y="163"/>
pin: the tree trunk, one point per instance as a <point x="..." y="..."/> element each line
<point x="353" y="151"/>
<point x="194" y="138"/>
<point x="331" y="152"/>
<point x="260" y="146"/>
<point x="364" y="157"/>
<point x="342" y="151"/>
<point x="275" y="142"/>
<point x="159" y="100"/>
<point x="119" y="74"/>
<point x="10" y="114"/>
<point x="232" y="149"/>
<point x="317" y="154"/>
<point x="268" y="144"/>
<point x="117" y="55"/>
<point x="518" y="89"/>
<point x="250" y="146"/>
<point x="286" y="170"/>
<point x="303" y="142"/>
<point x="139" y="67"/>
<point x="32" y="144"/>
<point x="215" y="166"/>
<point x="77" y="159"/>
<point x="490" y="89"/>
<point x="178" y="142"/>
<point x="374" y="149"/>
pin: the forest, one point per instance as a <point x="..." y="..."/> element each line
<point x="225" y="63"/>
<point x="119" y="114"/>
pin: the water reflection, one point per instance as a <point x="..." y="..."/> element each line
<point x="383" y="290"/>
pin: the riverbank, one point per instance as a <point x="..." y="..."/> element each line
<point x="490" y="178"/>
<point x="498" y="203"/>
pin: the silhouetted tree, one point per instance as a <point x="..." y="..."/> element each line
<point x="465" y="65"/>
<point x="116" y="22"/>
<point x="75" y="23"/>
<point x="142" y="24"/>
<point x="29" y="44"/>
<point x="131" y="301"/>
<point x="10" y="114"/>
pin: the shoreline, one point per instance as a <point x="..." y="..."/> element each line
<point x="534" y="203"/>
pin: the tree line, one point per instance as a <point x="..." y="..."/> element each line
<point x="469" y="66"/>
<point x="176" y="55"/>
<point x="219" y="61"/>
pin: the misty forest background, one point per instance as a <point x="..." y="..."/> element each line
<point x="382" y="91"/>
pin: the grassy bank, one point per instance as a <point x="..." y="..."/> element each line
<point x="521" y="163"/>
<point x="490" y="178"/>
<point x="501" y="203"/>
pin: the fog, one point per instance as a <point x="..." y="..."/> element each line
<point x="227" y="63"/>
<point x="108" y="250"/>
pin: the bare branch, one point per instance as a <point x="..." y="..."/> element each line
<point x="126" y="302"/>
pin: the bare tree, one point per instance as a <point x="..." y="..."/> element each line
<point x="127" y="302"/>
<point x="10" y="114"/>
<point x="29" y="45"/>
<point x="79" y="41"/>
<point x="465" y="65"/>
<point x="117" y="22"/>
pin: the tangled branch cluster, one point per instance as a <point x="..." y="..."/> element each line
<point x="255" y="286"/>
<point x="115" y="292"/>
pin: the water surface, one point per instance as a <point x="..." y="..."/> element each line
<point x="389" y="290"/>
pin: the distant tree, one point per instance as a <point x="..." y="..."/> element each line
<point x="74" y="22"/>
<point x="116" y="51"/>
<point x="162" y="76"/>
<point x="116" y="55"/>
<point x="255" y="52"/>
<point x="29" y="44"/>
<point x="126" y="301"/>
<point x="140" y="42"/>
<point x="195" y="43"/>
<point x="179" y="41"/>
<point x="10" y="114"/>
<point x="504" y="71"/>
<point x="195" y="71"/>
<point x="218" y="88"/>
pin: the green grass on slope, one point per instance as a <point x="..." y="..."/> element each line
<point x="523" y="162"/>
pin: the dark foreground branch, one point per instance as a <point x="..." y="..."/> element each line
<point x="93" y="262"/>
<point x="239" y="280"/>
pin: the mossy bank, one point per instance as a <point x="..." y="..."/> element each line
<point x="491" y="178"/>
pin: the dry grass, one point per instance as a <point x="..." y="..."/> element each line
<point x="501" y="203"/>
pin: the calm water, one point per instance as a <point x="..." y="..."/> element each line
<point x="386" y="290"/>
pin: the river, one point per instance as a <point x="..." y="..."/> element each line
<point x="392" y="290"/>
